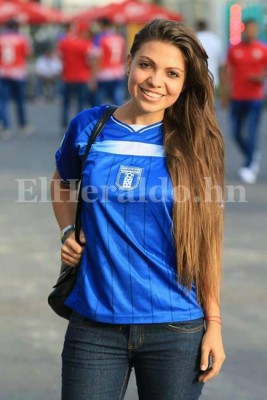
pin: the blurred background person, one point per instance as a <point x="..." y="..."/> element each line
<point x="214" y="49"/>
<point x="74" y="50"/>
<point x="1" y="113"/>
<point x="14" y="50"/>
<point x="48" y="68"/>
<point x="245" y="75"/>
<point x="109" y="57"/>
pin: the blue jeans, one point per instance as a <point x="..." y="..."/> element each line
<point x="246" y="112"/>
<point x="70" y="91"/>
<point x="98" y="358"/>
<point x="1" y="106"/>
<point x="47" y="88"/>
<point x="15" y="90"/>
<point x="112" y="91"/>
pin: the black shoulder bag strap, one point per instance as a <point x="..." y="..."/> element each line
<point x="96" y="131"/>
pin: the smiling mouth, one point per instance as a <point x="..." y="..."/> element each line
<point x="152" y="94"/>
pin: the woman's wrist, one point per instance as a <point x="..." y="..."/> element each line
<point x="66" y="231"/>
<point x="213" y="321"/>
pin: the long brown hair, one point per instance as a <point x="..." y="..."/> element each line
<point x="195" y="158"/>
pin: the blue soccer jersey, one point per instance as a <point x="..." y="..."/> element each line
<point x="128" y="272"/>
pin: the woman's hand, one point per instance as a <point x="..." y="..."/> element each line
<point x="212" y="352"/>
<point x="71" y="251"/>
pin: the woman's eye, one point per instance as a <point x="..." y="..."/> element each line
<point x="173" y="74"/>
<point x="144" y="65"/>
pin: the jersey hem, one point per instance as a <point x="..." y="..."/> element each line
<point x="126" y="319"/>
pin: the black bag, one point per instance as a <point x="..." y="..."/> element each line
<point x="66" y="280"/>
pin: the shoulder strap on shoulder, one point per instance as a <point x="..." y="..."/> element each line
<point x="96" y="131"/>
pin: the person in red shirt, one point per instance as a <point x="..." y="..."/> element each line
<point x="247" y="66"/>
<point x="14" y="50"/>
<point x="110" y="58"/>
<point x="74" y="51"/>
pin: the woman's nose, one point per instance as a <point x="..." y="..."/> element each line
<point x="155" y="79"/>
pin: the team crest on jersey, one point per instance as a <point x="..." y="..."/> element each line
<point x="128" y="178"/>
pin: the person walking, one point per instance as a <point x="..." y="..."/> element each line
<point x="147" y="292"/>
<point x="246" y="72"/>
<point x="48" y="69"/>
<point x="74" y="51"/>
<point x="109" y="57"/>
<point x="14" y="50"/>
<point x="214" y="48"/>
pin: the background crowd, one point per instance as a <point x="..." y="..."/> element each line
<point x="84" y="65"/>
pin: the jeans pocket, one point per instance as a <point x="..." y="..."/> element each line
<point x="193" y="326"/>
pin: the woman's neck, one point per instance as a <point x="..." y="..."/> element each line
<point x="130" y="115"/>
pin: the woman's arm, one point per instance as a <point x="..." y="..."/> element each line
<point x="212" y="351"/>
<point x="64" y="206"/>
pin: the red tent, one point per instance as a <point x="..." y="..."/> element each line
<point x="9" y="10"/>
<point x="28" y="12"/>
<point x="129" y="11"/>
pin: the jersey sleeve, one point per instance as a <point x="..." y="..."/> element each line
<point x="68" y="160"/>
<point x="69" y="156"/>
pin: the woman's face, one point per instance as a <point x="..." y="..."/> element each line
<point x="156" y="78"/>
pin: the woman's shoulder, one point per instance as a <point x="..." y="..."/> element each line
<point x="82" y="125"/>
<point x="86" y="117"/>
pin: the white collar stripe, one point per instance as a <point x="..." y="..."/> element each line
<point x="151" y="127"/>
<point x="132" y="130"/>
<point x="124" y="125"/>
<point x="129" y="148"/>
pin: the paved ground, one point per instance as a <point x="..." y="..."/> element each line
<point x="31" y="335"/>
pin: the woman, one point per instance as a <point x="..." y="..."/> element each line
<point x="147" y="294"/>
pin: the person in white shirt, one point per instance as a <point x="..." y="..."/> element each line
<point x="48" y="68"/>
<point x="214" y="49"/>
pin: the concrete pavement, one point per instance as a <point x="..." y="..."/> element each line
<point x="31" y="335"/>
